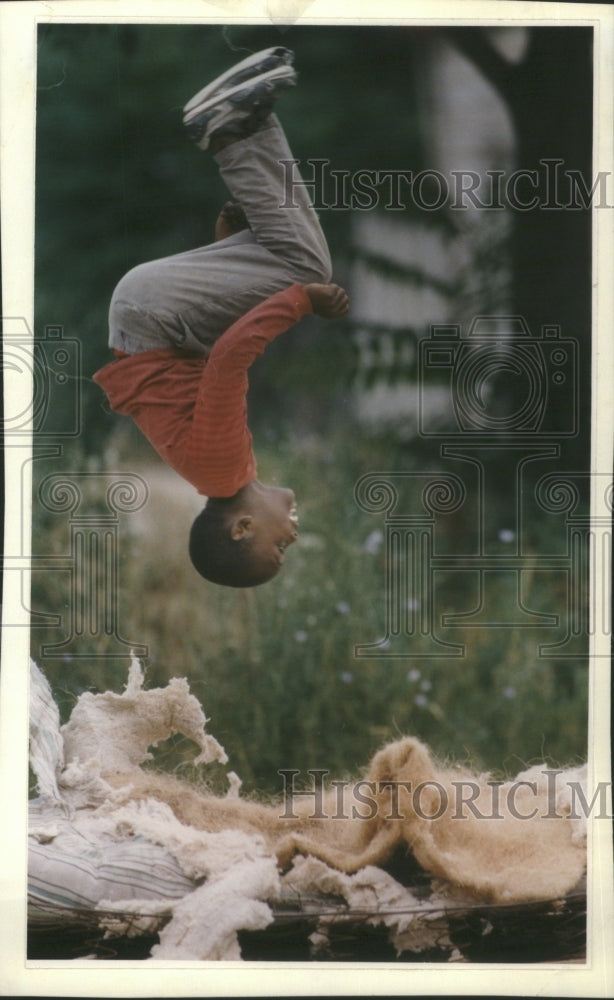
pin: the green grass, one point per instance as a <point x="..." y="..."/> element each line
<point x="275" y="667"/>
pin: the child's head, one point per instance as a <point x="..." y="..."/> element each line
<point x="240" y="541"/>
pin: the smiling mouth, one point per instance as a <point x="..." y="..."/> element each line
<point x="293" y="516"/>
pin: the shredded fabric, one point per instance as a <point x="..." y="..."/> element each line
<point x="497" y="842"/>
<point x="205" y="924"/>
<point x="414" y="924"/>
<point x="46" y="744"/>
<point x="110" y="732"/>
<point x="148" y="851"/>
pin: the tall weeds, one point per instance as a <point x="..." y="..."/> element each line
<point x="275" y="667"/>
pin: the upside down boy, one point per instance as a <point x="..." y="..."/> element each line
<point x="185" y="329"/>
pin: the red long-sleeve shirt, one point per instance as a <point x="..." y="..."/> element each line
<point x="193" y="410"/>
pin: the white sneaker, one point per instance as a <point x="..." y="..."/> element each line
<point x="254" y="65"/>
<point x="240" y="109"/>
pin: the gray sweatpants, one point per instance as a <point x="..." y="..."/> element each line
<point x="189" y="299"/>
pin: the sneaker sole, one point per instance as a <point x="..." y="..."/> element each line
<point x="242" y="92"/>
<point x="230" y="109"/>
<point x="253" y="66"/>
<point x="244" y="96"/>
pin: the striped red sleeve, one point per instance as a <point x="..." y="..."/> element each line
<point x="219" y="447"/>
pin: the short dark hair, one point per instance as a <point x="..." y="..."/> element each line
<point x="217" y="556"/>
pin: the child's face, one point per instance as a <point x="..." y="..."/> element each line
<point x="271" y="522"/>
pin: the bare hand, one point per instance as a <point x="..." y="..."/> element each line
<point x="329" y="301"/>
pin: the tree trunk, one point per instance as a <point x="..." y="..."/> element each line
<point x="552" y="107"/>
<point x="550" y="98"/>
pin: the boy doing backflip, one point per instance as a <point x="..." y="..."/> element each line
<point x="185" y="329"/>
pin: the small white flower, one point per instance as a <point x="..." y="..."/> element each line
<point x="414" y="675"/>
<point x="300" y="636"/>
<point x="373" y="542"/>
<point x="421" y="700"/>
<point x="412" y="604"/>
<point x="506" y="535"/>
<point x="343" y="608"/>
<point x="509" y="691"/>
<point x="426" y="686"/>
<point x="346" y="677"/>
